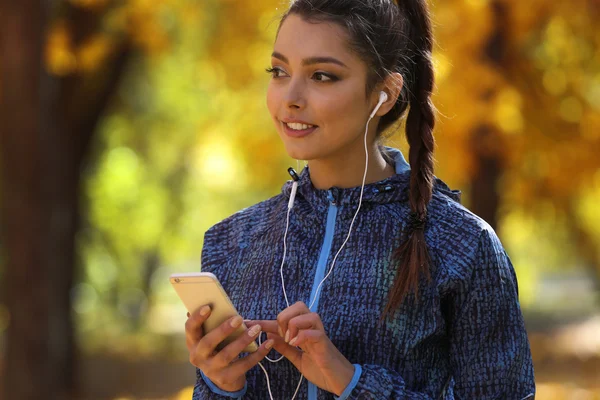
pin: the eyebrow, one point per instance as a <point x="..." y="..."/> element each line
<point x="310" y="60"/>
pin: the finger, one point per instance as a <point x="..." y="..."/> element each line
<point x="243" y="365"/>
<point x="231" y="352"/>
<point x="201" y="313"/>
<point x="305" y="337"/>
<point x="304" y="321"/>
<point x="193" y="325"/>
<point x="268" y="326"/>
<point x="292" y="311"/>
<point x="191" y="344"/>
<point x="289" y="352"/>
<point x="211" y="340"/>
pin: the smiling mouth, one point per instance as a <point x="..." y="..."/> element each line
<point x="298" y="130"/>
<point x="299" y="126"/>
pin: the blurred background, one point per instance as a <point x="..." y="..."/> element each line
<point x="130" y="127"/>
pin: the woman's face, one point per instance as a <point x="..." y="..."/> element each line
<point x="317" y="80"/>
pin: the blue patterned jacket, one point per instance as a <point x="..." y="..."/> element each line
<point x="463" y="339"/>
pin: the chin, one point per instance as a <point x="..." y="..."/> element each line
<point x="301" y="151"/>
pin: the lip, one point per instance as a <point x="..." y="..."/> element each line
<point x="296" y="133"/>
<point x="299" y="121"/>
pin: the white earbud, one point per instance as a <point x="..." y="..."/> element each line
<point x="293" y="195"/>
<point x="382" y="98"/>
<point x="295" y="178"/>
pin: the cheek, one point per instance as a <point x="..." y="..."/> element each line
<point x="345" y="113"/>
<point x="273" y="100"/>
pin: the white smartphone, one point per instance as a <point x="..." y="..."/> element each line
<point x="196" y="289"/>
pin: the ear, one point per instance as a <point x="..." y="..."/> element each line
<point x="392" y="85"/>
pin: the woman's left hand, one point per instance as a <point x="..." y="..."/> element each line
<point x="318" y="360"/>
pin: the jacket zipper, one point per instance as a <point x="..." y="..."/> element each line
<point x="321" y="267"/>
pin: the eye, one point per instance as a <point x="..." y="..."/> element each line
<point x="319" y="76"/>
<point x="274" y="72"/>
<point x="330" y="78"/>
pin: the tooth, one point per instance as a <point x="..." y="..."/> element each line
<point x="298" y="126"/>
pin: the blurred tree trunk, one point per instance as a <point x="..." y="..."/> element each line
<point x="37" y="214"/>
<point x="487" y="140"/>
<point x="484" y="194"/>
<point x="47" y="123"/>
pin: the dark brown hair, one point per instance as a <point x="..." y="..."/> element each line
<point x="394" y="37"/>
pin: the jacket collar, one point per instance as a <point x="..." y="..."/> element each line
<point x="388" y="190"/>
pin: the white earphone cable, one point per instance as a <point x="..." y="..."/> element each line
<point x="334" y="259"/>
<point x="352" y="223"/>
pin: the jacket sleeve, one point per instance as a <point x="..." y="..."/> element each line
<point x="213" y="256"/>
<point x="205" y="389"/>
<point x="490" y="356"/>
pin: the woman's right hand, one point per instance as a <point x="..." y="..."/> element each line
<point x="223" y="368"/>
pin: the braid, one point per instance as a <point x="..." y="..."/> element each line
<point x="419" y="134"/>
<point x="412" y="254"/>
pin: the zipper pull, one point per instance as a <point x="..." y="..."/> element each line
<point x="332" y="198"/>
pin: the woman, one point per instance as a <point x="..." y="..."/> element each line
<point x="377" y="283"/>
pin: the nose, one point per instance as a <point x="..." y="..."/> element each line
<point x="295" y="96"/>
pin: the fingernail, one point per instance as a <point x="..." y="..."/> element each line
<point x="293" y="341"/>
<point x="236" y="322"/>
<point x="269" y="344"/>
<point x="254" y="331"/>
<point x="287" y="336"/>
<point x="205" y="310"/>
<point x="280" y="331"/>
